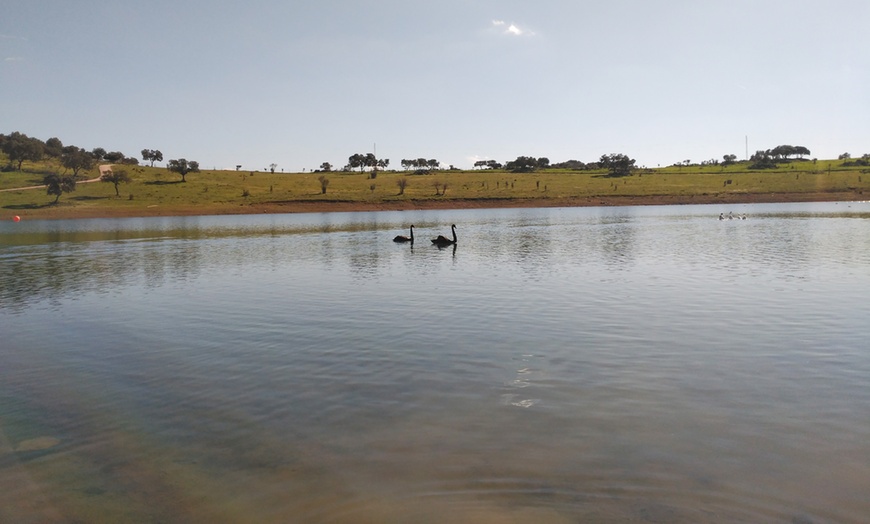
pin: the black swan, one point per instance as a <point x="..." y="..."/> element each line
<point x="403" y="238"/>
<point x="442" y="241"/>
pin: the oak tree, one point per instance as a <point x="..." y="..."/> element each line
<point x="115" y="177"/>
<point x="57" y="185"/>
<point x="183" y="166"/>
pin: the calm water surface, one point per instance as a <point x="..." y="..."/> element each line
<point x="644" y="364"/>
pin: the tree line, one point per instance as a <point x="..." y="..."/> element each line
<point x="20" y="148"/>
<point x="770" y="158"/>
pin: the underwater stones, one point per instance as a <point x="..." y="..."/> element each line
<point x="37" y="444"/>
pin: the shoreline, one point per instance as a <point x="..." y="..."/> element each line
<point x="62" y="211"/>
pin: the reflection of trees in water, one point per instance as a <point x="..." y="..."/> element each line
<point x="616" y="243"/>
<point x="63" y="271"/>
<point x="57" y="265"/>
<point x="55" y="268"/>
<point x="540" y="246"/>
<point x="364" y="247"/>
<point x="525" y="245"/>
<point x="365" y="261"/>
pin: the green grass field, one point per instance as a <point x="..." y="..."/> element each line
<point x="209" y="192"/>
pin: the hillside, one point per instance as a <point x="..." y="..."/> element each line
<point x="157" y="191"/>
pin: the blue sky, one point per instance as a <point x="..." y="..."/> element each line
<point x="303" y="82"/>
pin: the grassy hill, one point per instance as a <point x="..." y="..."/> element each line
<point x="156" y="191"/>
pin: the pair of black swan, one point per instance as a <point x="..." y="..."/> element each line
<point x="440" y="241"/>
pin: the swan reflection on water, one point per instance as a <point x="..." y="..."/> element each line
<point x="452" y="246"/>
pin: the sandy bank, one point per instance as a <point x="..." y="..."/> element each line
<point x="79" y="211"/>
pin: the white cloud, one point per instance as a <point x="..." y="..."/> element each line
<point x="13" y="59"/>
<point x="510" y="29"/>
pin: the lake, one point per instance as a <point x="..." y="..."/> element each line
<point x="613" y="364"/>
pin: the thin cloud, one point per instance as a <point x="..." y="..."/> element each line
<point x="510" y="29"/>
<point x="8" y="59"/>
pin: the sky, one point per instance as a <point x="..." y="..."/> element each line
<point x="298" y="83"/>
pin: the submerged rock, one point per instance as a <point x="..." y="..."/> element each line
<point x="38" y="443"/>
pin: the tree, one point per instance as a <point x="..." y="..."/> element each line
<point x="326" y="166"/>
<point x="183" y="167"/>
<point x="98" y="153"/>
<point x="383" y="163"/>
<point x="783" y="152"/>
<point x="272" y="167"/>
<point x="617" y="164"/>
<point x="53" y="147"/>
<point x="356" y="160"/>
<point x="76" y="159"/>
<point x="362" y="161"/>
<point x="762" y="160"/>
<point x="323" y="183"/>
<point x="115" y="177"/>
<point x="402" y="183"/>
<point x="20" y="148"/>
<point x="57" y="185"/>
<point x="523" y="164"/>
<point x="152" y="155"/>
<point x="571" y="164"/>
<point x="800" y="151"/>
<point x="863" y="161"/>
<point x="728" y="159"/>
<point x="114" y="157"/>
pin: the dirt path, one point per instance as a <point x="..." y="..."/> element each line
<point x="103" y="169"/>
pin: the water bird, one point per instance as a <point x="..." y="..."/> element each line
<point x="721" y="216"/>
<point x="403" y="238"/>
<point x="442" y="241"/>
